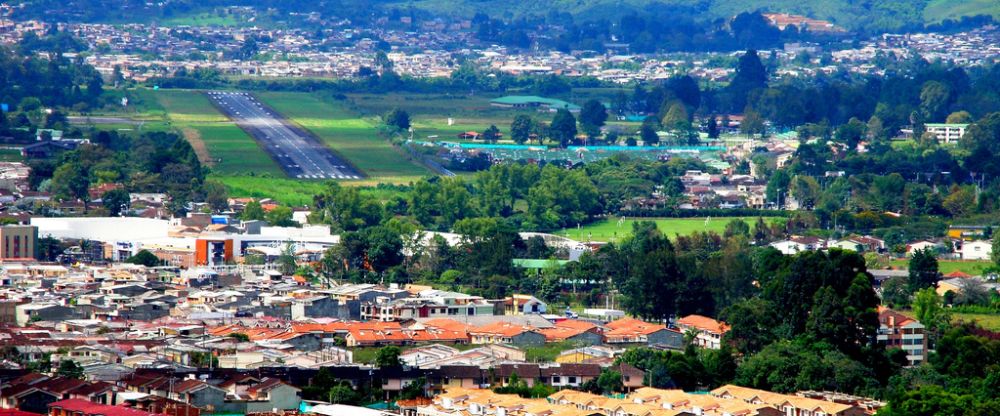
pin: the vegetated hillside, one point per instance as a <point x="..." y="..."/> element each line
<point x="938" y="10"/>
<point x="860" y="15"/>
<point x="863" y="15"/>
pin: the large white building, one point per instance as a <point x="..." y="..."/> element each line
<point x="947" y="132"/>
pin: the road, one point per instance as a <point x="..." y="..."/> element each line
<point x="299" y="153"/>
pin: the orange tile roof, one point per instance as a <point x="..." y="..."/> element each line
<point x="504" y="329"/>
<point x="703" y="323"/>
<point x="448" y="324"/>
<point x="632" y="326"/>
<point x="575" y="324"/>
<point x="557" y="333"/>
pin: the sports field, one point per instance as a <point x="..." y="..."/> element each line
<point x="346" y="133"/>
<point x="616" y="230"/>
<point x="972" y="267"/>
<point x="217" y="140"/>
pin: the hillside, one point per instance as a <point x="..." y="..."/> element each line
<point x="871" y="15"/>
<point x="939" y="10"/>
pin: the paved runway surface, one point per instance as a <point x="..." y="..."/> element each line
<point x="298" y="153"/>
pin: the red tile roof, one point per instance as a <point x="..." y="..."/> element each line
<point x="89" y="408"/>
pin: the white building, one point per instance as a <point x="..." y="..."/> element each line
<point x="946" y="132"/>
<point x="977" y="250"/>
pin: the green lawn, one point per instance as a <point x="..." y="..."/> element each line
<point x="610" y="230"/>
<point x="218" y="141"/>
<point x="972" y="267"/>
<point x="203" y="19"/>
<point x="346" y="133"/>
<point x="988" y="321"/>
<point x="11" y="155"/>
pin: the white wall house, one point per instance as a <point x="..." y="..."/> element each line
<point x="977" y="250"/>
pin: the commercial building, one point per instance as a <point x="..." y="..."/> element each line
<point x="18" y="242"/>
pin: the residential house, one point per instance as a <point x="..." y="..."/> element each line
<point x="799" y="244"/>
<point x="923" y="245"/>
<point x="568" y="375"/>
<point x="634" y="331"/>
<point x="506" y="333"/>
<point x="976" y="250"/>
<point x="709" y="331"/>
<point x="523" y="304"/>
<point x="270" y="394"/>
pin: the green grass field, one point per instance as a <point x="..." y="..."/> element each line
<point x="988" y="321"/>
<point x="985" y="320"/>
<point x="218" y="141"/>
<point x="11" y="155"/>
<point x="203" y="19"/>
<point x="972" y="267"/>
<point x="609" y="230"/>
<point x="346" y="133"/>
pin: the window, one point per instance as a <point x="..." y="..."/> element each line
<point x="572" y="380"/>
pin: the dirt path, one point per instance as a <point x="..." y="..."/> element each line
<point x="193" y="136"/>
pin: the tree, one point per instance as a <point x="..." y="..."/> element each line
<point x="923" y="270"/>
<point x="145" y="258"/>
<point x="563" y="127"/>
<point x="805" y="190"/>
<point x="70" y="369"/>
<point x="934" y="98"/>
<point x="929" y="309"/>
<point x="995" y="254"/>
<point x="593" y="115"/>
<point x="287" y="262"/>
<point x="249" y="48"/>
<point x="648" y="133"/>
<point x="610" y="382"/>
<point x="851" y="133"/>
<point x="896" y="292"/>
<point x="70" y="181"/>
<point x="713" y="127"/>
<point x="239" y="336"/>
<point x="491" y="134"/>
<point x="675" y="115"/>
<point x="750" y="75"/>
<point x="752" y="123"/>
<point x="737" y="227"/>
<point x="959" y="117"/>
<point x="280" y="216"/>
<point x="388" y="357"/>
<point x="216" y="195"/>
<point x="520" y="128"/>
<point x="398" y="119"/>
<point x="252" y="212"/>
<point x="116" y="201"/>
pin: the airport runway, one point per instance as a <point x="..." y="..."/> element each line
<point x="299" y="153"/>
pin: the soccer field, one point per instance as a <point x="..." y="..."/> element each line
<point x="613" y="229"/>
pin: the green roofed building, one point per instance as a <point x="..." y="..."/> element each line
<point x="536" y="266"/>
<point x="531" y="101"/>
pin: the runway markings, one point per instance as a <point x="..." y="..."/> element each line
<point x="300" y="155"/>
